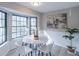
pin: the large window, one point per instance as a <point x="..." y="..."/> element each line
<point x="3" y="25"/>
<point x="33" y="25"/>
<point x="19" y="26"/>
<point x="22" y="26"/>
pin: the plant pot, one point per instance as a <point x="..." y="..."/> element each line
<point x="36" y="37"/>
<point x="71" y="49"/>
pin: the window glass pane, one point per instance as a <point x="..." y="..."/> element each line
<point x="22" y="23"/>
<point x="13" y="17"/>
<point x="18" y="29"/>
<point x="2" y="16"/>
<point x="25" y="24"/>
<point x="25" y="19"/>
<point x="3" y="38"/>
<point x="2" y="28"/>
<point x="18" y="18"/>
<point x="22" y="19"/>
<point x="22" y="29"/>
<point x="3" y="23"/>
<point x="14" y="29"/>
<point x="13" y="35"/>
<point x="33" y="28"/>
<point x="0" y="23"/>
<point x="26" y="33"/>
<point x="26" y="29"/>
<point x="18" y="34"/>
<point x="22" y="33"/>
<point x="13" y="23"/>
<point x="33" y="31"/>
<point x="0" y="39"/>
<point x="33" y="19"/>
<point x="33" y="23"/>
<point x="18" y="23"/>
<point x="0" y="31"/>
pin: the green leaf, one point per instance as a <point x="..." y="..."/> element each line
<point x="69" y="37"/>
<point x="66" y="36"/>
<point x="72" y="30"/>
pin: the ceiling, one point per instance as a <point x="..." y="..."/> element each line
<point x="49" y="6"/>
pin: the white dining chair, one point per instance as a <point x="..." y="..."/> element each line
<point x="46" y="48"/>
<point x="12" y="49"/>
<point x="56" y="50"/>
<point x="24" y="50"/>
<point x="16" y="48"/>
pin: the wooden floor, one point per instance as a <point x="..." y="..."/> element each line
<point x="57" y="51"/>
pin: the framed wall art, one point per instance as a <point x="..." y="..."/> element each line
<point x="57" y="21"/>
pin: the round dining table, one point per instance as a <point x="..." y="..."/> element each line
<point x="35" y="43"/>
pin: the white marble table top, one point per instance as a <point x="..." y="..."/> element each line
<point x="30" y="39"/>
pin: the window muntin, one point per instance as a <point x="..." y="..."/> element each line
<point x="3" y="25"/>
<point x="19" y="26"/>
<point x="33" y="25"/>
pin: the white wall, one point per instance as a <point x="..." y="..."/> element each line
<point x="75" y="23"/>
<point x="56" y="35"/>
<point x="13" y="8"/>
<point x="74" y="17"/>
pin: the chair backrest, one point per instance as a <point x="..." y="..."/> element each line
<point x="50" y="46"/>
<point x="19" y="41"/>
<point x="12" y="45"/>
<point x="56" y="50"/>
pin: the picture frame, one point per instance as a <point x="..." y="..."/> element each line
<point x="57" y="21"/>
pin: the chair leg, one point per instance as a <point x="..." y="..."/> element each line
<point x="42" y="54"/>
<point x="30" y="45"/>
<point x="50" y="53"/>
<point x="28" y="54"/>
<point x="39" y="53"/>
<point x="46" y="54"/>
<point x="31" y="53"/>
<point x="19" y="54"/>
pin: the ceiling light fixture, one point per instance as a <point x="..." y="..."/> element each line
<point x="36" y="3"/>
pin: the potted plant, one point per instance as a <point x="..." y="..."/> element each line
<point x="70" y="36"/>
<point x="36" y="34"/>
